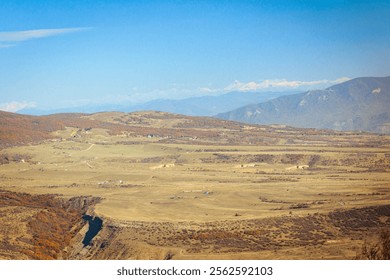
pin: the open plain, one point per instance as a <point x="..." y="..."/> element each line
<point x="175" y="187"/>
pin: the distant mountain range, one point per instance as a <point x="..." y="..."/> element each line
<point x="358" y="104"/>
<point x="194" y="106"/>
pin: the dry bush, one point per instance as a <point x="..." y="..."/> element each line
<point x="53" y="227"/>
<point x="52" y="231"/>
<point x="7" y="158"/>
<point x="169" y="256"/>
<point x="379" y="250"/>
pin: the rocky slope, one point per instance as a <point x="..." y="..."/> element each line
<point x="358" y="104"/>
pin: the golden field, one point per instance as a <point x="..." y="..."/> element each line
<point x="197" y="188"/>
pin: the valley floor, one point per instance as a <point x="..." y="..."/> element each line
<point x="182" y="198"/>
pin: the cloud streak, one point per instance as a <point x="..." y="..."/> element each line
<point x="279" y="84"/>
<point x="19" y="36"/>
<point x="15" y="106"/>
<point x="3" y="46"/>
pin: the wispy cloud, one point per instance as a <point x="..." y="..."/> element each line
<point x="3" y="46"/>
<point x="208" y="90"/>
<point x="178" y="91"/>
<point x="15" y="106"/>
<point x="138" y="95"/>
<point x="280" y="84"/>
<point x="19" y="36"/>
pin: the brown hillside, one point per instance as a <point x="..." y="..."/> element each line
<point x="21" y="129"/>
<point x="16" y="129"/>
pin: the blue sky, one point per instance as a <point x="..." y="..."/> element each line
<point x="57" y="54"/>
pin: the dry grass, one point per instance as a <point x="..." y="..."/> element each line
<point x="203" y="188"/>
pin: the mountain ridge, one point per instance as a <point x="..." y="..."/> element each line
<point x="207" y="105"/>
<point x="358" y="104"/>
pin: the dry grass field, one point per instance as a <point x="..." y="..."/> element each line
<point x="168" y="186"/>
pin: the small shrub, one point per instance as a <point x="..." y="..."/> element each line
<point x="379" y="250"/>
